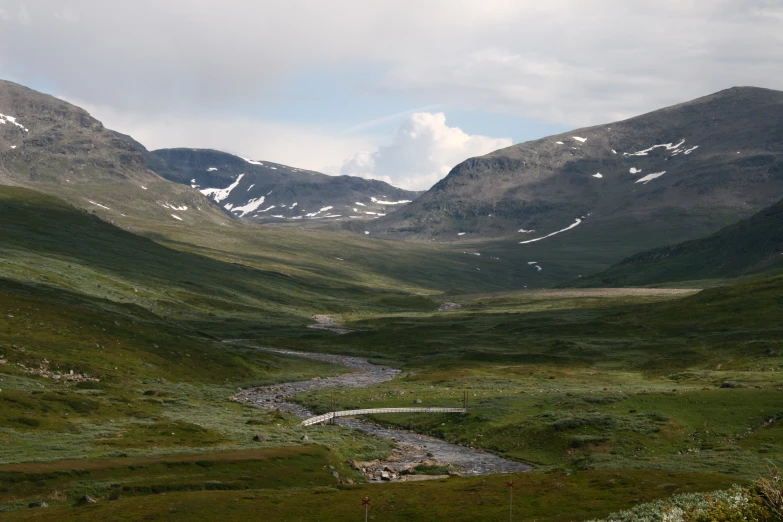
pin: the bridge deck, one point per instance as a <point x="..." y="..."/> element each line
<point x="350" y="413"/>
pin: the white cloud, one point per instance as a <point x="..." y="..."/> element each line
<point x="424" y="150"/>
<point x="299" y="146"/>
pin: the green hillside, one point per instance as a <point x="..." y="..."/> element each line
<point x="751" y="246"/>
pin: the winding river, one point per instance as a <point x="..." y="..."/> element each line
<point x="363" y="373"/>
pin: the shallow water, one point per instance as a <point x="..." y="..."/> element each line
<point x="364" y="373"/>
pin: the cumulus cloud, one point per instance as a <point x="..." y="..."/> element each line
<point x="423" y="151"/>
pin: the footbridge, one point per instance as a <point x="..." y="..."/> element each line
<point x="350" y="413"/>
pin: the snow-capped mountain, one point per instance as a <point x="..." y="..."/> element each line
<point x="265" y="191"/>
<point x="670" y="175"/>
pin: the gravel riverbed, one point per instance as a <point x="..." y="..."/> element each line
<point x="412" y="448"/>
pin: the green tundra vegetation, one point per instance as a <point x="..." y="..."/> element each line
<point x="115" y="380"/>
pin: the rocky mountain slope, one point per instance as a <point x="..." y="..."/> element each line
<point x="666" y="176"/>
<point x="264" y="191"/>
<point x="57" y="148"/>
<point x="752" y="245"/>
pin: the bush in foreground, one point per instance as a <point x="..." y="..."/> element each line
<point x="762" y="501"/>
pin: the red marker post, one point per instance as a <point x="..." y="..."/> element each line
<point x="510" y="486"/>
<point x="366" y="504"/>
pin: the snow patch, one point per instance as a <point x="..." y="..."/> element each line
<point x="13" y="146"/>
<point x="211" y="169"/>
<point x="523" y="231"/>
<point x="220" y="194"/>
<point x="172" y="207"/>
<point x="380" y="202"/>
<point x="688" y="151"/>
<point x="11" y="119"/>
<point x="532" y="262"/>
<point x="667" y="146"/>
<point x="176" y="217"/>
<point x="461" y="233"/>
<point x="251" y="186"/>
<point x="361" y="204"/>
<point x="281" y="217"/>
<point x="539" y="268"/>
<point x="598" y="175"/>
<point x="649" y="177"/>
<point x="98" y="204"/>
<point x="560" y="143"/>
<point x="634" y="170"/>
<point x="267" y="209"/>
<point x="292" y="206"/>
<point x="614" y="151"/>
<point x="580" y="140"/>
<point x="252" y="162"/>
<point x="145" y="188"/>
<point x="574" y="224"/>
<point x="251" y="206"/>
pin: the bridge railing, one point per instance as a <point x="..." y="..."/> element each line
<point x="350" y="413"/>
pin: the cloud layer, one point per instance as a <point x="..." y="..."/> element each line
<point x="424" y="150"/>
<point x="193" y="66"/>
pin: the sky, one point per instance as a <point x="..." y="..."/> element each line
<point x="398" y="90"/>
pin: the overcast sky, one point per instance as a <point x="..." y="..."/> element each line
<point x="399" y="90"/>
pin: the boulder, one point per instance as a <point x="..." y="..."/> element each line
<point x="334" y="474"/>
<point x="259" y="438"/>
<point x="86" y="499"/>
<point x="37" y="505"/>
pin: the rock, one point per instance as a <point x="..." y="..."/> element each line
<point x="385" y="475"/>
<point x="2" y="361"/>
<point x="390" y="469"/>
<point x="348" y="481"/>
<point x="729" y="384"/>
<point x="86" y="499"/>
<point x="354" y="465"/>
<point x="417" y="401"/>
<point x="430" y="454"/>
<point x="37" y="505"/>
<point x="406" y="470"/>
<point x="304" y="437"/>
<point x="334" y="474"/>
<point x="259" y="438"/>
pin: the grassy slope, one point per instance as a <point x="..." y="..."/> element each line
<point x="589" y="382"/>
<point x="750" y="246"/>
<point x="600" y="388"/>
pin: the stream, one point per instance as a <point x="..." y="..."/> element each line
<point x="412" y="448"/>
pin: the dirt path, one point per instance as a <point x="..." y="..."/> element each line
<point x="412" y="448"/>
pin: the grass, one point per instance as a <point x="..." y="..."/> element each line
<point x="615" y="396"/>
<point x="555" y="496"/>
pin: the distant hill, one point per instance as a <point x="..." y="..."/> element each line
<point x="670" y="175"/>
<point x="265" y="191"/>
<point x="752" y="245"/>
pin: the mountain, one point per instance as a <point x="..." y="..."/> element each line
<point x="674" y="174"/>
<point x="266" y="191"/>
<point x="750" y="246"/>
<point x="57" y="148"/>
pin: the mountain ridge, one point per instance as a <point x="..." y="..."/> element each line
<point x="678" y="157"/>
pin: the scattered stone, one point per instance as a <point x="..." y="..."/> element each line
<point x="304" y="437"/>
<point x="334" y="474"/>
<point x="86" y="499"/>
<point x="37" y="505"/>
<point x="259" y="438"/>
